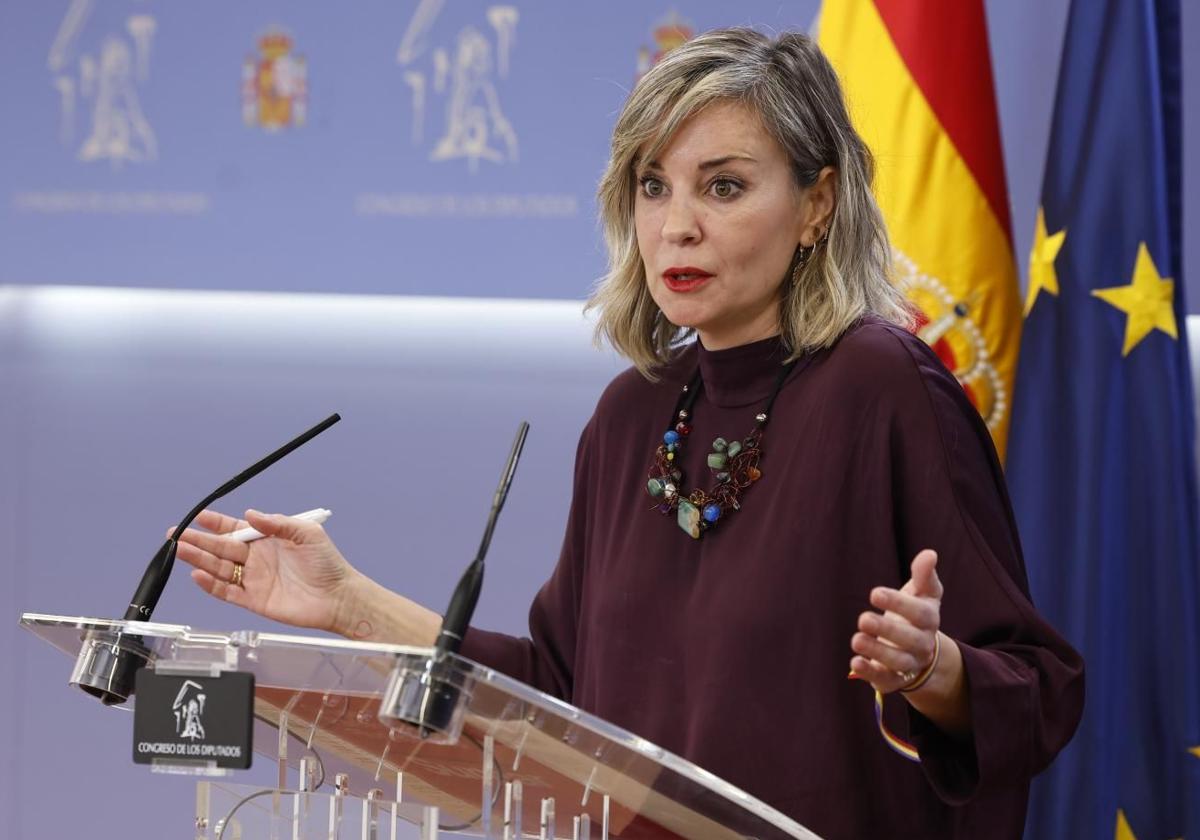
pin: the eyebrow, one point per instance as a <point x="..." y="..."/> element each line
<point x="655" y="166"/>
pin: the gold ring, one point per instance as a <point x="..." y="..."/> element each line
<point x="236" y="580"/>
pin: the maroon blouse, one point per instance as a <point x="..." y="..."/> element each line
<point x="733" y="650"/>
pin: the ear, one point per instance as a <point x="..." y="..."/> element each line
<point x="816" y="207"/>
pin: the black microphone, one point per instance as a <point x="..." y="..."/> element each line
<point x="430" y="698"/>
<point x="466" y="594"/>
<point x="106" y="667"/>
<point x="141" y="606"/>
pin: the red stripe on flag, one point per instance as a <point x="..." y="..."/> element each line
<point x="945" y="47"/>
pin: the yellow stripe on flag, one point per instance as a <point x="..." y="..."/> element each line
<point x="953" y="254"/>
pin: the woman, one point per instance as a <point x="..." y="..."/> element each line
<point x="705" y="595"/>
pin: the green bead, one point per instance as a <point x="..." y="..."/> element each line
<point x="688" y="517"/>
<point x="719" y="445"/>
<point x="734" y="449"/>
<point x="717" y="460"/>
<point x="655" y="487"/>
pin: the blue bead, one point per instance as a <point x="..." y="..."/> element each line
<point x="712" y="513"/>
<point x="671" y="437"/>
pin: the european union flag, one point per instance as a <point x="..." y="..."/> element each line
<point x="1102" y="463"/>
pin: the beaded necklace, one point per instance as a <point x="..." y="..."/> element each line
<point x="734" y="465"/>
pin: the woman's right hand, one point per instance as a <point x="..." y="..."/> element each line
<point x="295" y="575"/>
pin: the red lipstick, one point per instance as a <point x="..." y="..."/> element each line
<point x="685" y="279"/>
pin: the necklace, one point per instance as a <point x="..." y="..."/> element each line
<point x="734" y="464"/>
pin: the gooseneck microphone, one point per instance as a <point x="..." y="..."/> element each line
<point x="430" y="698"/>
<point x="466" y="594"/>
<point x="109" y="662"/>
<point x="141" y="606"/>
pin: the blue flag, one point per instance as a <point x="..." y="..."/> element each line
<point x="1102" y="465"/>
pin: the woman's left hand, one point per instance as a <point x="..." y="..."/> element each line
<point x="897" y="646"/>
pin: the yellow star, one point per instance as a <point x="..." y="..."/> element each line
<point x="1147" y="300"/>
<point x="1041" y="261"/>
<point x="1123" y="832"/>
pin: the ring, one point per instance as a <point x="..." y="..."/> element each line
<point x="907" y="676"/>
<point x="236" y="580"/>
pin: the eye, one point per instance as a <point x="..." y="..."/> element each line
<point x="725" y="188"/>
<point x="652" y="187"/>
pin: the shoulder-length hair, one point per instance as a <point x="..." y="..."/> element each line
<point x="790" y="85"/>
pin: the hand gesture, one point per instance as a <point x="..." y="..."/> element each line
<point x="296" y="575"/>
<point x="898" y="648"/>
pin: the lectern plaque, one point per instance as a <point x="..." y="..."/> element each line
<point x="192" y="719"/>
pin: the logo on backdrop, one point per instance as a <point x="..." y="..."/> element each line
<point x="275" y="84"/>
<point x="188" y="708"/>
<point x="463" y="76"/>
<point x="671" y="32"/>
<point x="948" y="326"/>
<point x="456" y="85"/>
<point x="100" y="64"/>
<point x="99" y="72"/>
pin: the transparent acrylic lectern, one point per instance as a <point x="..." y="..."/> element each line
<point x="499" y="760"/>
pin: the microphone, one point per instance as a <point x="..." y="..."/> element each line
<point x="141" y="606"/>
<point x="107" y="670"/>
<point x="466" y="594"/>
<point x="429" y="698"/>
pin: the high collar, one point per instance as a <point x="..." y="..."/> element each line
<point x="741" y="375"/>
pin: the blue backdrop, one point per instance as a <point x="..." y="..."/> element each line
<point x="444" y="148"/>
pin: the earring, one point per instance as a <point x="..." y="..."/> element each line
<point x="802" y="257"/>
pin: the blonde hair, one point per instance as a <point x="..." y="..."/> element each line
<point x="793" y="89"/>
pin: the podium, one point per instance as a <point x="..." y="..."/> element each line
<point x="386" y="742"/>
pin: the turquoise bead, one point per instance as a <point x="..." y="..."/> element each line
<point x="734" y="449"/>
<point x="688" y="517"/>
<point x="717" y="460"/>
<point x="655" y="487"/>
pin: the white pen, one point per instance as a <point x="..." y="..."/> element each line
<point x="318" y="515"/>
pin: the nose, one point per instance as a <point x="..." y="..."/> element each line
<point x="681" y="225"/>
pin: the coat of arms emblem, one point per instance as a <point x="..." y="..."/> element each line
<point x="275" y="84"/>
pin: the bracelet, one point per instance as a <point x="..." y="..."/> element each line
<point x="923" y="677"/>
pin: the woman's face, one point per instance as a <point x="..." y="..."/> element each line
<point x="718" y="218"/>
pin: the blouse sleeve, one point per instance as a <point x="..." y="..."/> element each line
<point x="546" y="659"/>
<point x="1024" y="681"/>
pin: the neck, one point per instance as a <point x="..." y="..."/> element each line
<point x="741" y="374"/>
<point x="725" y="341"/>
<point x="720" y="337"/>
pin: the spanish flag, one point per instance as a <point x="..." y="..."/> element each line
<point x="918" y="80"/>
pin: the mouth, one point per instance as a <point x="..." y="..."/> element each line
<point x="686" y="279"/>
